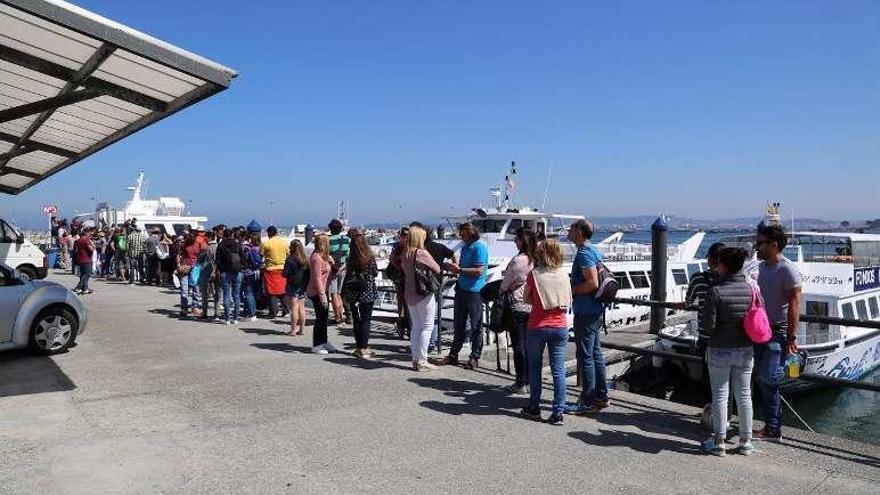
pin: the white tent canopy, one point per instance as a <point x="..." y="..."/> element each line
<point x="72" y="83"/>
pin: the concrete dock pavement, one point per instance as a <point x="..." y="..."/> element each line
<point x="146" y="403"/>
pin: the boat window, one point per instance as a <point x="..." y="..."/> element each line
<point x="875" y="311"/>
<point x="848" y="311"/>
<point x="179" y="228"/>
<point x="515" y="224"/>
<point x="623" y="280"/>
<point x="150" y="227"/>
<point x="693" y="269"/>
<point x="489" y="226"/>
<point x="679" y="275"/>
<point x="818" y="333"/>
<point x="817" y="308"/>
<point x="866" y="253"/>
<point x="862" y="309"/>
<point x="838" y="250"/>
<point x="639" y="280"/>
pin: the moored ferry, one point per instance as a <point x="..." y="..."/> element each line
<point x="630" y="262"/>
<point x="841" y="278"/>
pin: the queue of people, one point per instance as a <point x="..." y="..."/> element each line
<point x="234" y="265"/>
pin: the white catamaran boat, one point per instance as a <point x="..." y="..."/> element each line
<point x="167" y="214"/>
<point x="841" y="278"/>
<point x="630" y="262"/>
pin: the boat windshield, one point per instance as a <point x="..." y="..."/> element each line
<point x="489" y="225"/>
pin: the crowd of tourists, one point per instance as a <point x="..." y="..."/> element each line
<point x="233" y="267"/>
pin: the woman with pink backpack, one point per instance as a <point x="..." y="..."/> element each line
<point x="730" y="308"/>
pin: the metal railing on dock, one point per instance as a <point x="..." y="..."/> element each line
<point x="825" y="380"/>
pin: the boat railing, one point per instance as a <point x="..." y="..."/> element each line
<point x="831" y="321"/>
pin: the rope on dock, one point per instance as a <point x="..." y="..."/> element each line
<point x="798" y="416"/>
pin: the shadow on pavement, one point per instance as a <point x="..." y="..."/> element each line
<point x="651" y="422"/>
<point x="476" y="398"/>
<point x="635" y="441"/>
<point x="25" y="374"/>
<point x="282" y="347"/>
<point x="170" y="313"/>
<point x="837" y="453"/>
<point x="375" y="363"/>
<point x="266" y="331"/>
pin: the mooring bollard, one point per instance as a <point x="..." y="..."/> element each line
<point x="659" y="260"/>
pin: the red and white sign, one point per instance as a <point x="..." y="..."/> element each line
<point x="50" y="210"/>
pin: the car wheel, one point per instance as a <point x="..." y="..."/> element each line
<point x="27" y="272"/>
<point x="53" y="331"/>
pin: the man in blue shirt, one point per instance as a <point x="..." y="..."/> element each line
<point x="588" y="322"/>
<point x="472" y="274"/>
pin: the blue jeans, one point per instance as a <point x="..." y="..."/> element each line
<point x="189" y="295"/>
<point x="591" y="361"/>
<point x="231" y="290"/>
<point x="556" y="339"/>
<point x="468" y="307"/>
<point x="85" y="272"/>
<point x="135" y="268"/>
<point x="769" y="371"/>
<point x="731" y="368"/>
<point x="250" y="300"/>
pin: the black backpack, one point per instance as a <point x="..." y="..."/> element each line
<point x="234" y="258"/>
<point x="608" y="285"/>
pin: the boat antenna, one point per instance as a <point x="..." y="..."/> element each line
<point x="547" y="186"/>
<point x="509" y="184"/>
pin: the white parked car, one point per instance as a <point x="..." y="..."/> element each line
<point x="43" y="316"/>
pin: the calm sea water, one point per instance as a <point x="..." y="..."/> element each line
<point x="839" y="412"/>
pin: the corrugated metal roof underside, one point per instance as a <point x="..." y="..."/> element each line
<point x="65" y="93"/>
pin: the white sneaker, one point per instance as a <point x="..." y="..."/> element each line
<point x="227" y="322"/>
<point x="253" y="318"/>
<point x="319" y="349"/>
<point x="329" y="347"/>
<point x="235" y="322"/>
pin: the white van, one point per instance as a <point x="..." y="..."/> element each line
<point x="21" y="254"/>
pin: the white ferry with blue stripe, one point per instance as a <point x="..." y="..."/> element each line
<point x="841" y="278"/>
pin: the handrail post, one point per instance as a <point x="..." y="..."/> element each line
<point x="659" y="262"/>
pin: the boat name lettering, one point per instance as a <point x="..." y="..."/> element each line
<point x="822" y="279"/>
<point x="866" y="278"/>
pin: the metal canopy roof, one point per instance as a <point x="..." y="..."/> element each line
<point x="72" y="83"/>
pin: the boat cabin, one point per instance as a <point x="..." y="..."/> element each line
<point x="502" y="223"/>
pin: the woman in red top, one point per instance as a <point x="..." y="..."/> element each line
<point x="84" y="251"/>
<point x="548" y="288"/>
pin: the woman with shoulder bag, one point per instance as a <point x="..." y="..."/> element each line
<point x="421" y="307"/>
<point x="186" y="260"/>
<point x="513" y="286"/>
<point x="729" y="354"/>
<point x="359" y="289"/>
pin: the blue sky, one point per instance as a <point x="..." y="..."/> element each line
<point x="411" y="109"/>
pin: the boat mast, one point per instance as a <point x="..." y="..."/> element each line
<point x="509" y="185"/>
